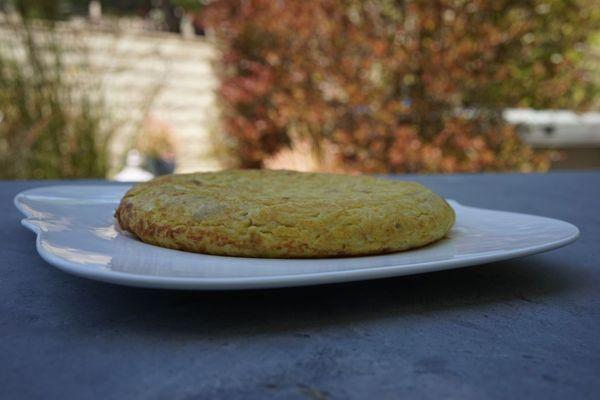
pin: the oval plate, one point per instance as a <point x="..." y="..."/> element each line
<point x="77" y="233"/>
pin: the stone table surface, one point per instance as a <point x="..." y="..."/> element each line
<point x="525" y="328"/>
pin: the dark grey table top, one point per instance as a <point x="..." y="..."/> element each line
<point x="529" y="327"/>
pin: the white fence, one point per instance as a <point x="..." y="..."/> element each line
<point x="176" y="77"/>
<point x="159" y="75"/>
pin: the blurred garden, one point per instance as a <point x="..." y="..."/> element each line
<point x="376" y="86"/>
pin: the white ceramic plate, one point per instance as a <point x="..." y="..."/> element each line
<point x="76" y="232"/>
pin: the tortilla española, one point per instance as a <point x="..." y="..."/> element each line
<point x="283" y="214"/>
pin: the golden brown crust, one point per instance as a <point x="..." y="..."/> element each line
<point x="283" y="214"/>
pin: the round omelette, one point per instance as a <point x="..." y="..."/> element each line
<point x="283" y="214"/>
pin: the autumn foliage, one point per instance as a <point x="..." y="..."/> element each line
<point x="396" y="86"/>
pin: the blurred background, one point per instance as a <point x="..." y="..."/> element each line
<point x="132" y="89"/>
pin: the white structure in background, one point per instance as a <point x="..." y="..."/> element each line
<point x="165" y="77"/>
<point x="133" y="171"/>
<point x="556" y="128"/>
<point x="144" y="74"/>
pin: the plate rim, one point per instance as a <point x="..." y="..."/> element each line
<point x="277" y="281"/>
